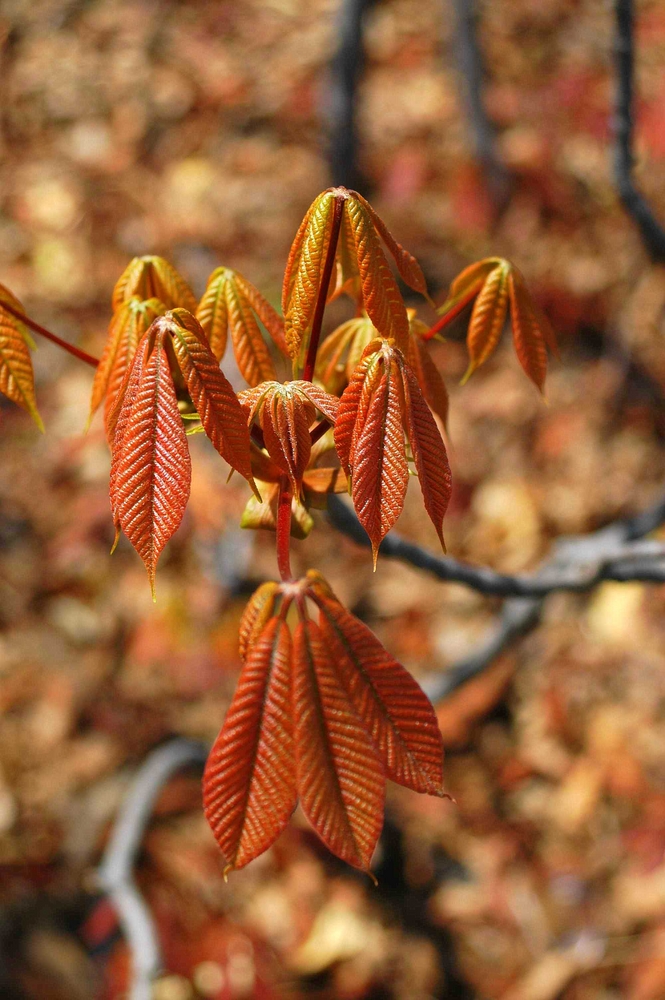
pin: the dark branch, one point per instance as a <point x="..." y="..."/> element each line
<point x="471" y="67"/>
<point x="115" y="874"/>
<point x="345" y="72"/>
<point x="652" y="233"/>
<point x="578" y="563"/>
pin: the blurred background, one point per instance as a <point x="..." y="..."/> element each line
<point x="202" y="131"/>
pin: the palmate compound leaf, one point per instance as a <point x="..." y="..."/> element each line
<point x="17" y="380"/>
<point x="151" y="468"/>
<point x="495" y="284"/>
<point x="381" y="404"/>
<point x="429" y="378"/>
<point x="351" y="717"/>
<point x="249" y="786"/>
<point x="129" y="323"/>
<point x="231" y="303"/>
<point x="285" y="412"/>
<point x="362" y="268"/>
<point x="211" y="393"/>
<point x="153" y="277"/>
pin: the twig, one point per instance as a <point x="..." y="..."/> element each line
<point x="578" y="563"/>
<point x="37" y="328"/>
<point x="470" y="62"/>
<point x="652" y="233"/>
<point x="345" y="72"/>
<point x="115" y="874"/>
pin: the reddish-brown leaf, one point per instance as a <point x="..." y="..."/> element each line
<point x="354" y="403"/>
<point x="152" y="477"/>
<point x="250" y="349"/>
<point x="340" y="782"/>
<point x="407" y="265"/>
<point x="464" y="289"/>
<point x="429" y="378"/>
<point x="260" y="609"/>
<point x="488" y="317"/>
<point x="216" y="403"/>
<point x="396" y="713"/>
<point x="285" y="420"/>
<point x="429" y="451"/>
<point x="529" y="336"/>
<point x="249" y="787"/>
<point x="118" y="423"/>
<point x="340" y="353"/>
<point x="212" y="312"/>
<point x="271" y="319"/>
<point x="153" y="278"/>
<point x="304" y="270"/>
<point x="17" y="380"/>
<point x="129" y="323"/>
<point x="380" y="473"/>
<point x="381" y="296"/>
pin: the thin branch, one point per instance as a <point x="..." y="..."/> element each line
<point x="74" y="351"/>
<point x="646" y="562"/>
<point x="578" y="563"/>
<point x="345" y="72"/>
<point x="115" y="874"/>
<point x="470" y="60"/>
<point x="652" y="233"/>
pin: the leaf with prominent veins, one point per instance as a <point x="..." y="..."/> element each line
<point x="216" y="403"/>
<point x="340" y="784"/>
<point x="152" y="477"/>
<point x="17" y="380"/>
<point x="153" y="277"/>
<point x="249" y="786"/>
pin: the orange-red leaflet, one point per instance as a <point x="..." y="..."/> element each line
<point x="361" y="265"/>
<point x="324" y="717"/>
<point x="150" y="468"/>
<point x="231" y="303"/>
<point x="497" y="286"/>
<point x="285" y="413"/>
<point x="153" y="277"/>
<point x="17" y="380"/>
<point x="129" y="323"/>
<point x="381" y="404"/>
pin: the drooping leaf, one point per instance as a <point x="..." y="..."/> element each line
<point x="129" y="323"/>
<point x="531" y="331"/>
<point x="17" y="380"/>
<point x="351" y="412"/>
<point x="272" y="321"/>
<point x="340" y="353"/>
<point x="429" y="452"/>
<point x="496" y="282"/>
<point x="488" y="317"/>
<point x="304" y="270"/>
<point x="153" y="277"/>
<point x="212" y="312"/>
<point x="119" y="422"/>
<point x="381" y="296"/>
<point x="380" y="473"/>
<point x="211" y="393"/>
<point x="152" y="476"/>
<point x="259" y="610"/>
<point x="407" y="265"/>
<point x="249" y="788"/>
<point x="340" y="784"/>
<point x="397" y="715"/>
<point x="429" y="378"/>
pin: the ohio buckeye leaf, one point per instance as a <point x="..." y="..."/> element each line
<point x="532" y="333"/>
<point x="249" y="786"/>
<point x="250" y="349"/>
<point x="488" y="317"/>
<point x="153" y="277"/>
<point x="396" y="713"/>
<point x="381" y="296"/>
<point x="408" y="267"/>
<point x="260" y="609"/>
<point x="216" y="403"/>
<point x="341" y="351"/>
<point x="17" y="380"/>
<point x="152" y="475"/>
<point x="354" y="402"/>
<point x="129" y="323"/>
<point x="304" y="270"/>
<point x="429" y="378"/>
<point x="429" y="452"/>
<point x="463" y="290"/>
<point x="340" y="782"/>
<point x="212" y="312"/>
